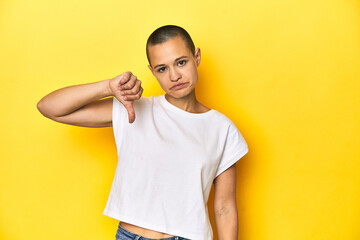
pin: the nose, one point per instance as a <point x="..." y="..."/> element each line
<point x="174" y="75"/>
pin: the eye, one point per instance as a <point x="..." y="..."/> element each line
<point x="182" y="62"/>
<point x="162" y="69"/>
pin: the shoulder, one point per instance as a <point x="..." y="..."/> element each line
<point x="143" y="100"/>
<point x="222" y="118"/>
<point x="140" y="104"/>
<point x="146" y="99"/>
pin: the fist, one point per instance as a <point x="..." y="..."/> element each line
<point x="126" y="88"/>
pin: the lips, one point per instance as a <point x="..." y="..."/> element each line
<point x="178" y="86"/>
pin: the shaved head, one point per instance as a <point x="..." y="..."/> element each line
<point x="167" y="32"/>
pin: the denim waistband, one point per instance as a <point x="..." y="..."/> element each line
<point x="135" y="236"/>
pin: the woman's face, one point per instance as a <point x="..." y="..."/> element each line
<point x="172" y="63"/>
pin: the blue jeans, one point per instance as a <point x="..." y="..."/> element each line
<point x="123" y="234"/>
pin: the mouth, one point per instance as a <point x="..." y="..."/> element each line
<point x="178" y="86"/>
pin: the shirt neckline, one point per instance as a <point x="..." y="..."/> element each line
<point x="164" y="102"/>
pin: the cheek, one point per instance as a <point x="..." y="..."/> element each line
<point x="192" y="72"/>
<point x="161" y="80"/>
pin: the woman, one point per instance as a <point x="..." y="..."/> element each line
<point x="169" y="153"/>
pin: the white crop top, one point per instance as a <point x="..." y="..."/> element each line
<point x="167" y="161"/>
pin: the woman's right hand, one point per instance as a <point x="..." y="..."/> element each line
<point x="126" y="88"/>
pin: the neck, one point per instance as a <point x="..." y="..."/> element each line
<point x="187" y="103"/>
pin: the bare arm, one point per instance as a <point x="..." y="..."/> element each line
<point x="80" y="105"/>
<point x="225" y="207"/>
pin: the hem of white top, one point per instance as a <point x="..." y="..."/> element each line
<point x="137" y="222"/>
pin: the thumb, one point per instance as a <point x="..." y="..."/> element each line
<point x="131" y="112"/>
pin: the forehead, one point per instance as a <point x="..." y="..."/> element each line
<point x="168" y="51"/>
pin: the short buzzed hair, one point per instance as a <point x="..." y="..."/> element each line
<point x="167" y="32"/>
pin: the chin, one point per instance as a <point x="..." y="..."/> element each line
<point x="175" y="95"/>
<point x="179" y="93"/>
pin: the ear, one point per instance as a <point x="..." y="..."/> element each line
<point x="152" y="71"/>
<point x="198" y="56"/>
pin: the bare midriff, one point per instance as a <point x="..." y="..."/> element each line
<point x="144" y="231"/>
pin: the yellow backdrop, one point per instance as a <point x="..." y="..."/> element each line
<point x="286" y="72"/>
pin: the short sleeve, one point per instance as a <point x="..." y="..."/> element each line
<point x="235" y="148"/>
<point x="119" y="114"/>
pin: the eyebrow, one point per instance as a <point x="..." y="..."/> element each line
<point x="159" y="65"/>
